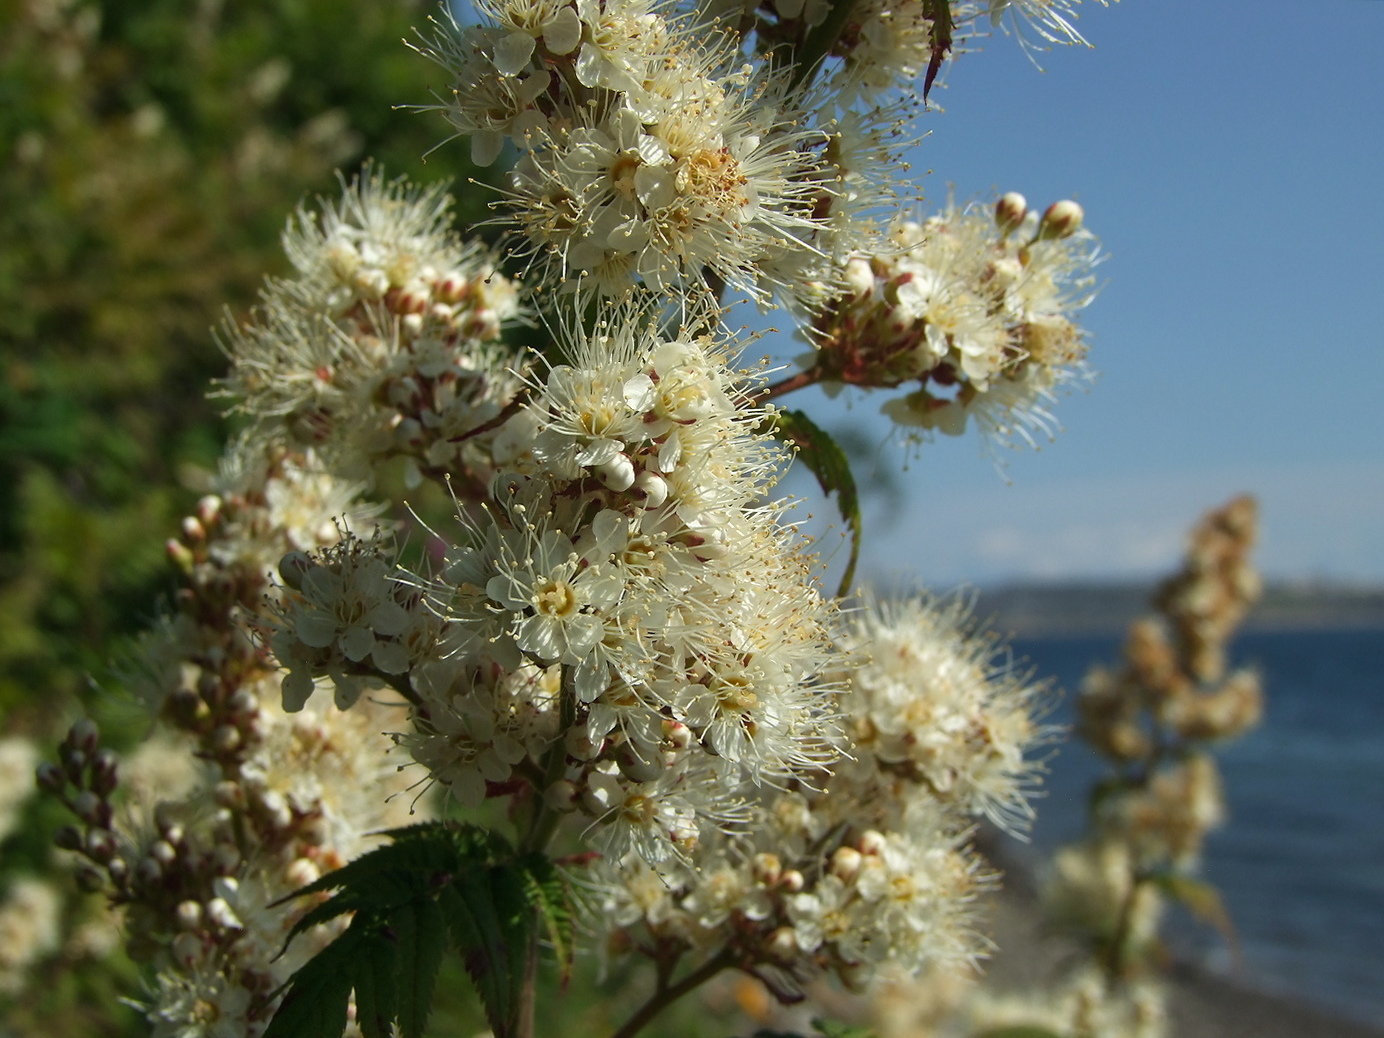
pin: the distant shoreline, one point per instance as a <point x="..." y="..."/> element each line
<point x="1072" y="608"/>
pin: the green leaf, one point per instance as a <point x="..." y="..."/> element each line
<point x="434" y="882"/>
<point x="829" y="464"/>
<point x="1202" y="899"/>
<point x="319" y="993"/>
<point x="938" y="12"/>
<point x="1020" y="1031"/>
<point x="376" y="985"/>
<point x="547" y="893"/>
<point x="422" y="937"/>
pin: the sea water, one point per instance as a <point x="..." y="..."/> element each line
<point x="1300" y="863"/>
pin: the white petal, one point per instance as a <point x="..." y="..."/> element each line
<point x="563" y="33"/>
<point x="513" y="53"/>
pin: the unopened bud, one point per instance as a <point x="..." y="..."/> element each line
<point x="450" y="289"/>
<point x="1010" y="211"/>
<point x="616" y="474"/>
<point x="104" y="773"/>
<point x="50" y="778"/>
<point x="225" y="739"/>
<point x="179" y="554"/>
<point x="162" y="852"/>
<point x="87" y="806"/>
<point x="1062" y="220"/>
<point x="561" y="795"/>
<point x="69" y="838"/>
<point x="767" y="869"/>
<point x="654" y="488"/>
<point x="209" y="509"/>
<point x="293" y="566"/>
<point x="579" y="744"/>
<point x="84" y="735"/>
<point x="148" y="872"/>
<point x="408" y="432"/>
<point x="222" y="915"/>
<point x="845" y="864"/>
<point x="792" y="881"/>
<point x="229" y="794"/>
<point x="301" y="872"/>
<point x="871" y="842"/>
<point x="188" y="914"/>
<point x="860" y="276"/>
<point x="100" y="845"/>
<point x="782" y="944"/>
<point x="193" y="531"/>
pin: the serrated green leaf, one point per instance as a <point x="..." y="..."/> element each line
<point x="376" y="983"/>
<point x="938" y="13"/>
<point x="828" y="462"/>
<point x="548" y="895"/>
<point x="315" y="1004"/>
<point x="469" y="910"/>
<point x="421" y="938"/>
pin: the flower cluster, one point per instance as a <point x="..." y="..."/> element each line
<point x="870" y="867"/>
<point x="385" y="343"/>
<point x="277" y="799"/>
<point x="976" y="308"/>
<point x="624" y="591"/>
<point x="650" y="151"/>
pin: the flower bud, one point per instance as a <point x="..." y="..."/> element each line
<point x="162" y="852"/>
<point x="293" y="567"/>
<point x="188" y="914"/>
<point x="87" y="806"/>
<point x="225" y="739"/>
<point x="100" y="845"/>
<point x="845" y="864"/>
<point x="871" y="842"/>
<point x="68" y="838"/>
<point x="179" y="554"/>
<point x="561" y="795"/>
<point x="782" y="944"/>
<point x="222" y="915"/>
<point x="84" y="735"/>
<point x="50" y="778"/>
<point x="301" y="872"/>
<point x="1010" y="211"/>
<point x="860" y="276"/>
<point x="767" y="868"/>
<point x="209" y="509"/>
<point x="616" y="474"/>
<point x="1062" y="220"/>
<point x="654" y="488"/>
<point x="104" y="773"/>
<point x="792" y="881"/>
<point x="193" y="531"/>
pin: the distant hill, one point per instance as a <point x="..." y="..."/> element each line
<point x="1075" y="607"/>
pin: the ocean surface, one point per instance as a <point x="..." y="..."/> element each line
<point x="1300" y="863"/>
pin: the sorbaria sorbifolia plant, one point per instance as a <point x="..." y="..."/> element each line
<point x="1155" y="720"/>
<point x="650" y="730"/>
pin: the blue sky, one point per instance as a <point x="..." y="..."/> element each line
<point x="1229" y="156"/>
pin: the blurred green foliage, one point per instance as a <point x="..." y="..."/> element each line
<point x="152" y="151"/>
